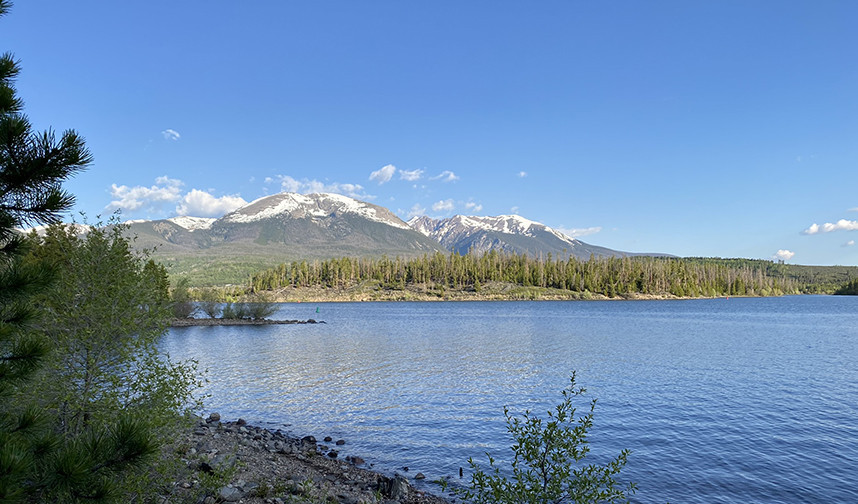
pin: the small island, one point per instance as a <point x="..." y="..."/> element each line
<point x="193" y="322"/>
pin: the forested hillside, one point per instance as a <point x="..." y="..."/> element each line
<point x="611" y="277"/>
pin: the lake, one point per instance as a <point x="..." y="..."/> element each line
<point x="719" y="400"/>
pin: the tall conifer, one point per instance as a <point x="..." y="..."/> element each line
<point x="36" y="464"/>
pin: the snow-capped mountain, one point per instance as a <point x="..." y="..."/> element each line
<point x="287" y="226"/>
<point x="313" y="206"/>
<point x="290" y="227"/>
<point x="508" y="233"/>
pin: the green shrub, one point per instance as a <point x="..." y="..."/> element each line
<point x="547" y="465"/>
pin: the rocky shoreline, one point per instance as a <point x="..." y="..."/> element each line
<point x="193" y="322"/>
<point x="236" y="462"/>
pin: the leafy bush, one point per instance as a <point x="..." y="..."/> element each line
<point x="209" y="303"/>
<point x="183" y="307"/>
<point x="105" y="313"/>
<point x="547" y="465"/>
<point x="259" y="308"/>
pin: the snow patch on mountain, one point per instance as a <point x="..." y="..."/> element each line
<point x="192" y="223"/>
<point x="458" y="226"/>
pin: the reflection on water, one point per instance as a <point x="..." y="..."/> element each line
<point x="719" y="400"/>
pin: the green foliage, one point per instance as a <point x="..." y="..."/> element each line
<point x="105" y="313"/>
<point x="183" y="306"/>
<point x="260" y="306"/>
<point x="848" y="289"/>
<point x="574" y="278"/>
<point x="209" y="302"/>
<point x="548" y="462"/>
<point x="257" y="307"/>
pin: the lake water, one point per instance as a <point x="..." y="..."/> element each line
<point x="721" y="400"/>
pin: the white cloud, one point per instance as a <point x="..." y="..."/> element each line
<point x="306" y="186"/>
<point x="576" y="232"/>
<point x="155" y="201"/>
<point x="202" y="204"/>
<point x="171" y="134"/>
<point x="446" y="205"/>
<point x="384" y="174"/>
<point x="165" y="191"/>
<point x="514" y="210"/>
<point x="841" y="225"/>
<point x="473" y="207"/>
<point x="446" y="176"/>
<point x="853" y="209"/>
<point x="416" y="211"/>
<point x="849" y="243"/>
<point x="783" y="255"/>
<point x="410" y="175"/>
<point x="522" y="174"/>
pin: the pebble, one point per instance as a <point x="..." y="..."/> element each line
<point x="345" y="483"/>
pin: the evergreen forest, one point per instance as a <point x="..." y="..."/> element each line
<point x="609" y="277"/>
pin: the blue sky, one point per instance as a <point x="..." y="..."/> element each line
<point x="725" y="128"/>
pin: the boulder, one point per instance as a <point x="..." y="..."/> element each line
<point x="229" y="494"/>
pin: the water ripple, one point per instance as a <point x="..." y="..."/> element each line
<point x="746" y="400"/>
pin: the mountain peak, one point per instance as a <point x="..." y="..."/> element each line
<point x="317" y="205"/>
<point x="456" y="227"/>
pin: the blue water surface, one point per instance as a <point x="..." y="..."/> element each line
<point x="719" y="400"/>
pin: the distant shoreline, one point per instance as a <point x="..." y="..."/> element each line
<point x="494" y="292"/>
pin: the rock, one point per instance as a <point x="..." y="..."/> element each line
<point x="328" y="439"/>
<point x="249" y="487"/>
<point x="333" y="454"/>
<point x="396" y="488"/>
<point x="223" y="461"/>
<point x="229" y="494"/>
<point x="241" y="422"/>
<point x="341" y="442"/>
<point x="420" y="476"/>
<point x="355" y="460"/>
<point x="309" y="439"/>
<point x="214" y="417"/>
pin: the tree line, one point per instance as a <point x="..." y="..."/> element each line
<point x="611" y="277"/>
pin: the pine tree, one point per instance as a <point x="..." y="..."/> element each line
<point x="36" y="465"/>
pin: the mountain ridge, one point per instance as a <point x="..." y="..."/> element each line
<point x="286" y="227"/>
